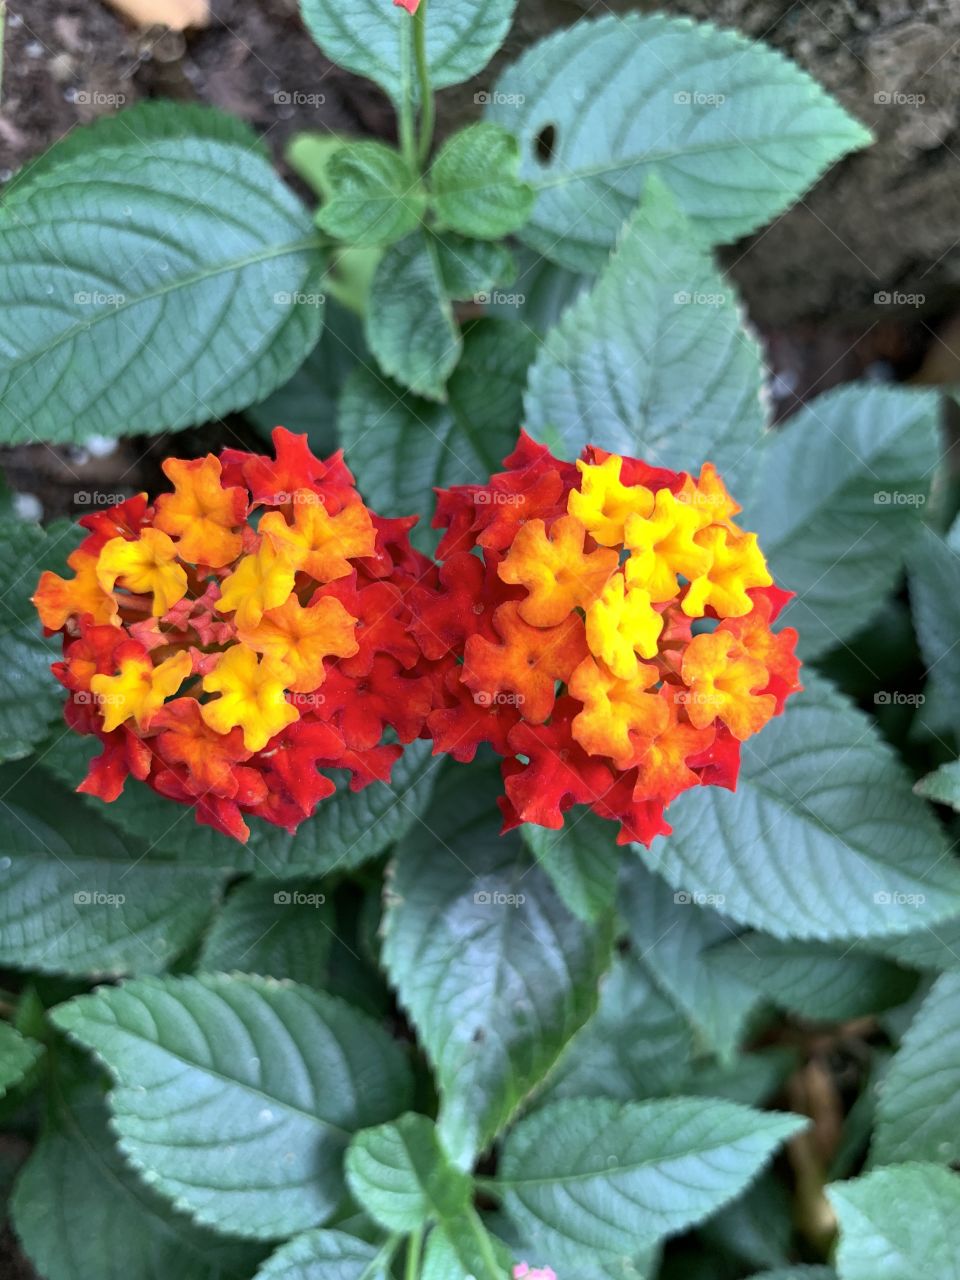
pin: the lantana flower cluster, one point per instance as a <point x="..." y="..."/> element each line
<point x="612" y="629"/>
<point x="246" y="631"/>
<point x="604" y="627"/>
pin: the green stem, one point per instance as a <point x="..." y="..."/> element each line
<point x="383" y="1259"/>
<point x="414" y="1248"/>
<point x="408" y="142"/>
<point x="427" y="104"/>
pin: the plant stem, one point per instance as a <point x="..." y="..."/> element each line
<point x="427" y="105"/>
<point x="383" y="1258"/>
<point x="414" y="1247"/>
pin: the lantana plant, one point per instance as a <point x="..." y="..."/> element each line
<point x="419" y="856"/>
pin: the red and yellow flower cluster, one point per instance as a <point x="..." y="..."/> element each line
<point x="249" y="629"/>
<point x="604" y="627"/>
<point x="612" y="628"/>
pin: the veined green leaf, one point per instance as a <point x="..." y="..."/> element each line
<point x="160" y="277"/>
<point x="654" y="361"/>
<point x="737" y="131"/>
<point x="212" y="1069"/>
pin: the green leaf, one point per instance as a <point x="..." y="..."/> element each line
<point x="918" y="1113"/>
<point x="654" y="362"/>
<point x="350" y="827"/>
<point x="671" y="933"/>
<point x="494" y="972"/>
<point x="637" y="1044"/>
<point x="474" y="183"/>
<point x="603" y="1177"/>
<point x="375" y="198"/>
<point x="323" y="1255"/>
<point x="108" y="1222"/>
<point x="900" y="1223"/>
<point x="935" y="946"/>
<point x="943" y="785"/>
<point x="374" y="38"/>
<point x="403" y="446"/>
<point x="596" y="107"/>
<point x="470" y="268"/>
<point x="309" y="399"/>
<point x="814" y="981"/>
<point x="17" y="1056"/>
<point x="757" y="1228"/>
<point x="279" y="929"/>
<point x="486" y="1257"/>
<point x="934" y="578"/>
<point x="410" y="326"/>
<point x="77" y="898"/>
<point x="582" y="861"/>
<point x="208" y="298"/>
<point x="541" y="292"/>
<point x="399" y="1173"/>
<point x="31" y="699"/>
<point x="823" y="837"/>
<point x="836" y="533"/>
<point x="213" y="1066"/>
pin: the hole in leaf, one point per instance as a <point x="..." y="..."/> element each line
<point x="544" y="144"/>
